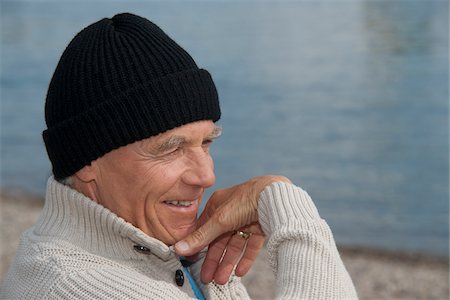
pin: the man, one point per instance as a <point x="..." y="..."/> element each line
<point x="130" y="119"/>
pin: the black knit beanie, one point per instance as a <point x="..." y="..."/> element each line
<point x="121" y="80"/>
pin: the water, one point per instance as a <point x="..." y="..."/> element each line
<point x="348" y="99"/>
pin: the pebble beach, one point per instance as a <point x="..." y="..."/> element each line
<point x="377" y="274"/>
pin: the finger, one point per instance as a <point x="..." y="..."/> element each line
<point x="213" y="257"/>
<point x="204" y="216"/>
<point x="210" y="208"/>
<point x="234" y="250"/>
<point x="254" y="245"/>
<point x="199" y="239"/>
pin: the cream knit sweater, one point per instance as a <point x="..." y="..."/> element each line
<point x="80" y="250"/>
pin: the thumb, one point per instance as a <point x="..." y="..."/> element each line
<point x="199" y="239"/>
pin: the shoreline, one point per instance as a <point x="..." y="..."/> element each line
<point x="407" y="257"/>
<point x="376" y="273"/>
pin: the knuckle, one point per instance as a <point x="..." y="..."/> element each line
<point x="234" y="248"/>
<point x="222" y="219"/>
<point x="198" y="236"/>
<point x="216" y="194"/>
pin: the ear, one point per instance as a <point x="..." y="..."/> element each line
<point x="87" y="173"/>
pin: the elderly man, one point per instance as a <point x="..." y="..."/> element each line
<point x="130" y="120"/>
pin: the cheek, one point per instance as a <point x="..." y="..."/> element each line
<point x="159" y="182"/>
<point x="167" y="225"/>
<point x="153" y="177"/>
<point x="164" y="176"/>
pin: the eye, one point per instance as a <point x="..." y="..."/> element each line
<point x="173" y="152"/>
<point x="206" y="144"/>
<point x="176" y="150"/>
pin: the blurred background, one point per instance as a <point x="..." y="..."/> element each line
<point x="349" y="99"/>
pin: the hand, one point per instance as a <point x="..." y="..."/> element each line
<point x="228" y="210"/>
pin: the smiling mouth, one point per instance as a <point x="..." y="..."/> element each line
<point x="179" y="203"/>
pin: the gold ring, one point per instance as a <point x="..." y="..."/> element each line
<point x="243" y="234"/>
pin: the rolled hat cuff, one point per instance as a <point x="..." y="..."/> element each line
<point x="138" y="113"/>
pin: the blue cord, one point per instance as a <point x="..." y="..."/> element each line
<point x="194" y="286"/>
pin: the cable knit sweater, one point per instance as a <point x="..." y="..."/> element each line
<point x="81" y="250"/>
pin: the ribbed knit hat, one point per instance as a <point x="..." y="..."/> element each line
<point x="121" y="80"/>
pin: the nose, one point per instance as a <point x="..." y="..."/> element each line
<point x="200" y="170"/>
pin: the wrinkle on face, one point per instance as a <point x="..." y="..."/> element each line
<point x="134" y="181"/>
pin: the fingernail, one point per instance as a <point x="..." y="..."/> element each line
<point x="182" y="246"/>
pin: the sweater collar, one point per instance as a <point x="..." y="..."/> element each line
<point x="79" y="220"/>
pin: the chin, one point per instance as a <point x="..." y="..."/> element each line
<point x="181" y="233"/>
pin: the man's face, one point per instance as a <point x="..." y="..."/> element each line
<point x="157" y="184"/>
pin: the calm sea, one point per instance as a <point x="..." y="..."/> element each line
<point x="347" y="98"/>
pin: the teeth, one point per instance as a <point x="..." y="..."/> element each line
<point x="179" y="203"/>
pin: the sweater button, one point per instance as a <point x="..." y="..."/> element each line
<point x="141" y="249"/>
<point x="179" y="277"/>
